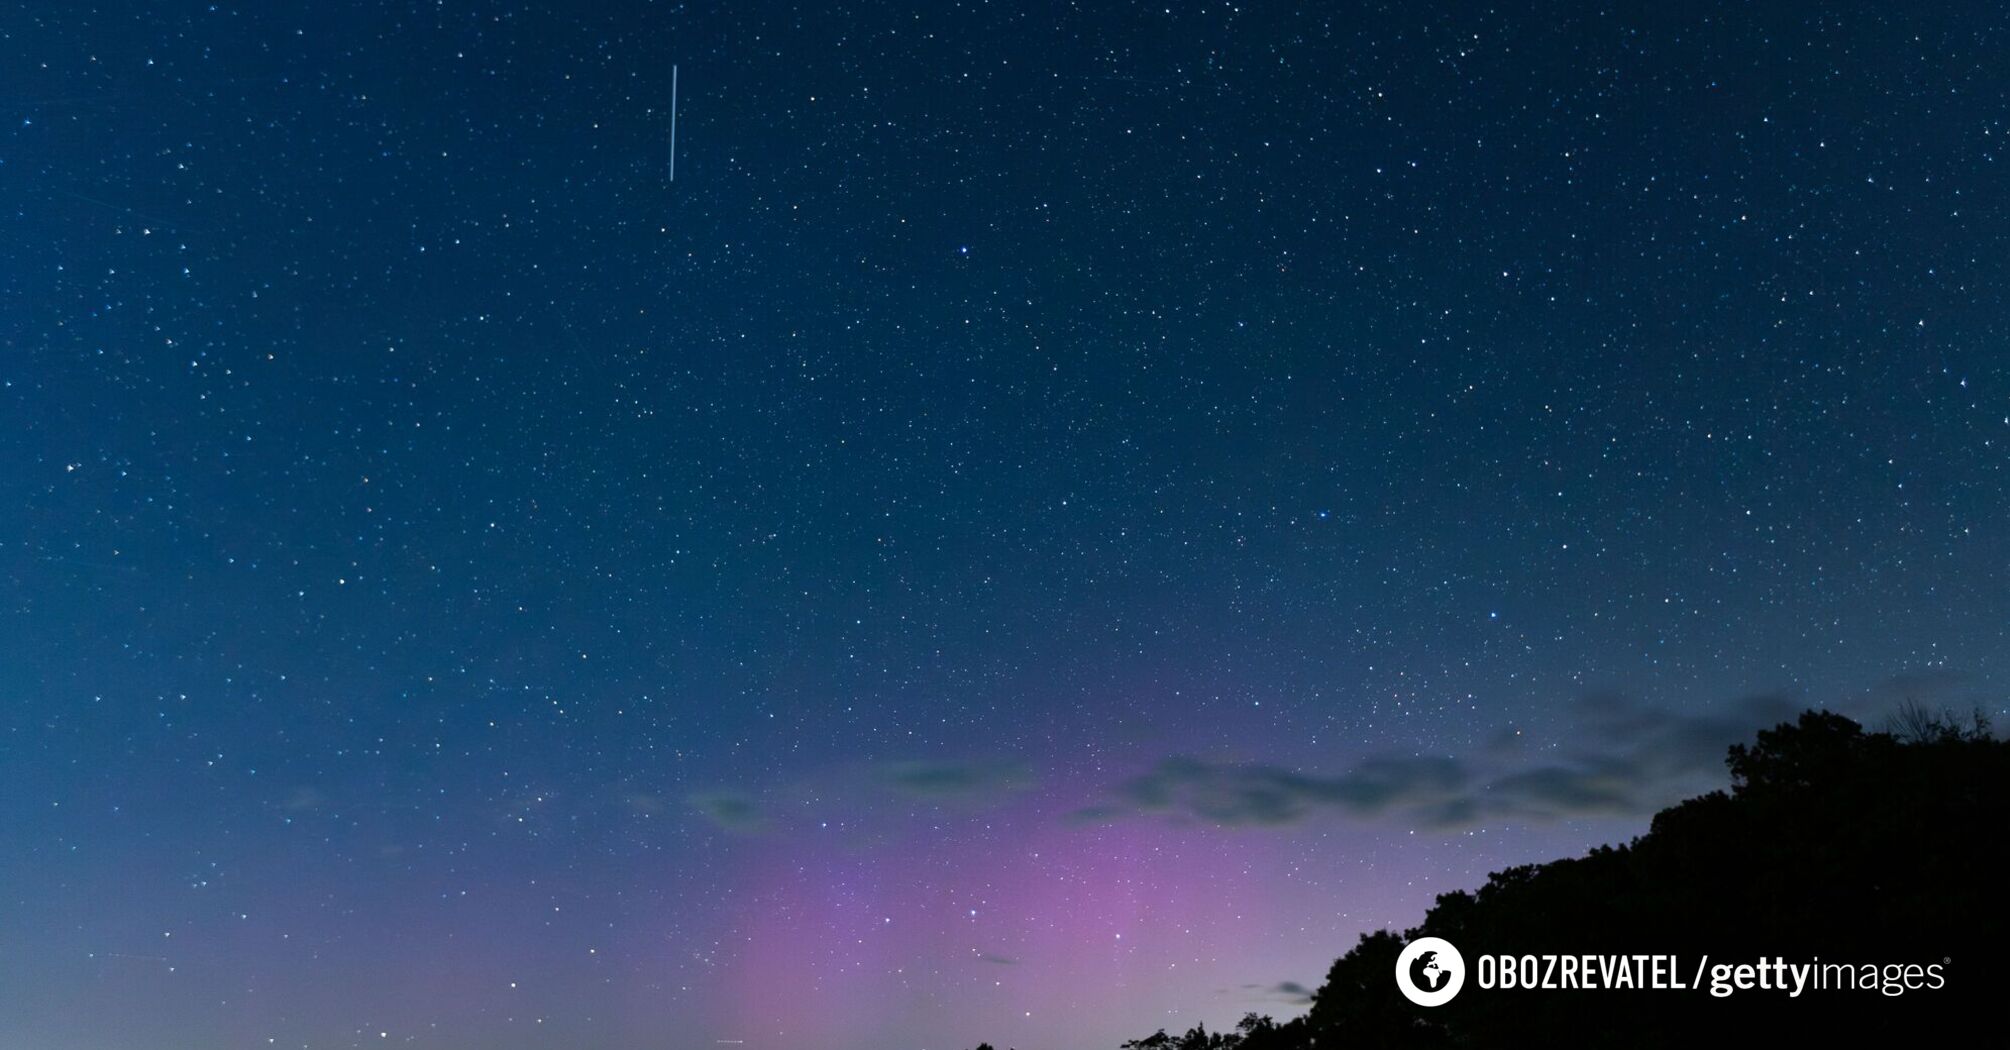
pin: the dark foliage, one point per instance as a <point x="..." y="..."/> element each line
<point x="1833" y="842"/>
<point x="1253" y="1032"/>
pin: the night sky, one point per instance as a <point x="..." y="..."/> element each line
<point x="1057" y="520"/>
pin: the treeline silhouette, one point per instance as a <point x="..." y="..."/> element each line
<point x="1833" y="842"/>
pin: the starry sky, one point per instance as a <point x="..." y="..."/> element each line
<point x="1056" y="520"/>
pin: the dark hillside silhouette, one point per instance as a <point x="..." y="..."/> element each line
<point x="1832" y="842"/>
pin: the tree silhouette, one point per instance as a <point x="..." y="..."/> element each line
<point x="1834" y="843"/>
<point x="1253" y="1032"/>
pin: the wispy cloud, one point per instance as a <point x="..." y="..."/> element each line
<point x="975" y="781"/>
<point x="1245" y="794"/>
<point x="1289" y="992"/>
<point x="1618" y="757"/>
<point x="1623" y="758"/>
<point x="857" y="794"/>
<point x="728" y="810"/>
